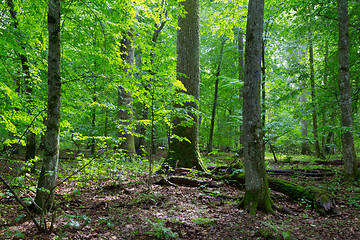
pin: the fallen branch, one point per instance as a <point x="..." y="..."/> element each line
<point x="31" y="216"/>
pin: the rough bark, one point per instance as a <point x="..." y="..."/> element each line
<point x="185" y="153"/>
<point x="45" y="192"/>
<point x="210" y="143"/>
<point x="347" y="139"/>
<point x="125" y="114"/>
<point x="257" y="194"/>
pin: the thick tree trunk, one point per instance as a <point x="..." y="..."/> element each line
<point x="184" y="150"/>
<point x="45" y="190"/>
<point x="350" y="166"/>
<point x="125" y="114"/>
<point x="257" y="194"/>
<point x="210" y="143"/>
<point x="318" y="152"/>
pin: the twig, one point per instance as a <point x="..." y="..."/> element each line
<point x="17" y="144"/>
<point x="72" y="175"/>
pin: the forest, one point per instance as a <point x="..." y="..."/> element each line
<point x="179" y="119"/>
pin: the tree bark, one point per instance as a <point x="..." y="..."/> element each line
<point x="347" y="139"/>
<point x="125" y="114"/>
<point x="184" y="150"/>
<point x="257" y="195"/>
<point x="45" y="189"/>
<point x="324" y="119"/>
<point x="31" y="137"/>
<point x="305" y="148"/>
<point x="210" y="143"/>
<point x="318" y="152"/>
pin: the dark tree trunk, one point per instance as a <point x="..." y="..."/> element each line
<point x="93" y="123"/>
<point x="210" y="143"/>
<point x="45" y="189"/>
<point x="31" y="138"/>
<point x="318" y="152"/>
<point x="305" y="148"/>
<point x="324" y="119"/>
<point x="184" y="150"/>
<point x="347" y="139"/>
<point x="257" y="195"/>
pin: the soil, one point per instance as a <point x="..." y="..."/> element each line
<point x="124" y="209"/>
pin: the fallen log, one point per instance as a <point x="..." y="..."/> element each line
<point x="189" y="182"/>
<point x="310" y="173"/>
<point x="320" y="200"/>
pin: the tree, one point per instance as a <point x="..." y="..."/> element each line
<point x="318" y="152"/>
<point x="184" y="150"/>
<point x="31" y="137"/>
<point x="125" y="114"/>
<point x="257" y="195"/>
<point x="347" y="139"/>
<point x="45" y="189"/>
<point x="217" y="74"/>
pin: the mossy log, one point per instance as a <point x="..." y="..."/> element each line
<point x="320" y="200"/>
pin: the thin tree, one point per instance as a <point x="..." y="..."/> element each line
<point x="347" y="139"/>
<point x="257" y="195"/>
<point x="318" y="152"/>
<point x="183" y="149"/>
<point x="45" y="189"/>
<point x="217" y="75"/>
<point x="31" y="137"/>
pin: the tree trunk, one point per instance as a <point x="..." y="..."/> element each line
<point x="305" y="148"/>
<point x="350" y="163"/>
<point x="45" y="190"/>
<point x="125" y="114"/>
<point x="93" y="122"/>
<point x="324" y="119"/>
<point x="257" y="195"/>
<point x="184" y="150"/>
<point x="210" y="143"/>
<point x="318" y="152"/>
<point x="31" y="138"/>
<point x="241" y="76"/>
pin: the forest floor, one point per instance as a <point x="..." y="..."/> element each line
<point x="120" y="207"/>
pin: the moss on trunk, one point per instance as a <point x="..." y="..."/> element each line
<point x="320" y="200"/>
<point x="183" y="154"/>
<point x="254" y="200"/>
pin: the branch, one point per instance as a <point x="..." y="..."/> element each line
<point x="22" y="204"/>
